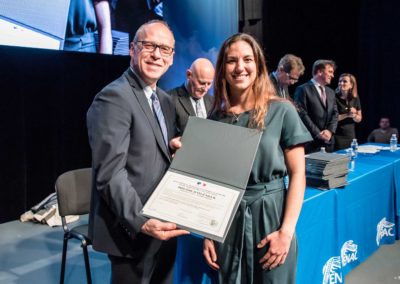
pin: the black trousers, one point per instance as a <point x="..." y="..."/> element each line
<point x="154" y="267"/>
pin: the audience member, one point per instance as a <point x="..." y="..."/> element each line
<point x="192" y="99"/>
<point x="317" y="106"/>
<point x="349" y="110"/>
<point x="261" y="245"/>
<point x="288" y="72"/>
<point x="383" y="133"/>
<point x="129" y="124"/>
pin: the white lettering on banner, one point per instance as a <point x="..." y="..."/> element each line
<point x="348" y="252"/>
<point x="384" y="229"/>
<point x="332" y="271"/>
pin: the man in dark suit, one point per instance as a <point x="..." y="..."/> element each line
<point x="288" y="72"/>
<point x="191" y="99"/>
<point x="129" y="124"/>
<point x="317" y="106"/>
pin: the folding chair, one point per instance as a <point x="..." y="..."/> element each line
<point x="73" y="194"/>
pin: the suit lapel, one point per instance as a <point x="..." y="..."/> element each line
<point x="184" y="99"/>
<point x="275" y="83"/>
<point x="208" y="103"/>
<point x="314" y="88"/>
<point x="138" y="92"/>
<point x="329" y="96"/>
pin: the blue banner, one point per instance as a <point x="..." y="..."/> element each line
<point x="199" y="27"/>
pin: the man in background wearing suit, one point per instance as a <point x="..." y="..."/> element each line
<point x="288" y="72"/>
<point x="130" y="124"/>
<point x="191" y="99"/>
<point x="317" y="106"/>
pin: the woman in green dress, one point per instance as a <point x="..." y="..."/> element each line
<point x="261" y="245"/>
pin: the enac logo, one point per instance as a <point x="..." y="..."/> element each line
<point x="384" y="229"/>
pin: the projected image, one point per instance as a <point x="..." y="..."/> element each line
<point x="107" y="26"/>
<point x="34" y="23"/>
<point x="102" y="26"/>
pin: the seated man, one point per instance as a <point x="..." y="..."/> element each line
<point x="383" y="133"/>
<point x="191" y="99"/>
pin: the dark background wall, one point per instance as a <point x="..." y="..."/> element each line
<point x="360" y="36"/>
<point x="45" y="94"/>
<point x="44" y="98"/>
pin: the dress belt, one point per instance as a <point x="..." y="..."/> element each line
<point x="254" y="192"/>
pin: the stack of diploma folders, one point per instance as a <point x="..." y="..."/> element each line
<point x="326" y="170"/>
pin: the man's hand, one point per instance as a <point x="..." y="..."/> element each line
<point x="325" y="135"/>
<point x="162" y="230"/>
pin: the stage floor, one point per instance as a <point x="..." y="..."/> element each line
<point x="31" y="253"/>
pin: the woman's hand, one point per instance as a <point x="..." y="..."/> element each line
<point x="352" y="112"/>
<point x="279" y="244"/>
<point x="209" y="254"/>
<point x="175" y="143"/>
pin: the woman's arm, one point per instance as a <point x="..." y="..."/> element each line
<point x="103" y="18"/>
<point x="296" y="165"/>
<point x="279" y="241"/>
<point x="343" y="116"/>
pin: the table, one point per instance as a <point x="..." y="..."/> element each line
<point x="337" y="229"/>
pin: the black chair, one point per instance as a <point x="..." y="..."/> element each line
<point x="73" y="194"/>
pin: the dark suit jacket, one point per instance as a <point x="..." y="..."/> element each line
<point x="184" y="107"/>
<point x="275" y="83"/>
<point x="314" y="114"/>
<point x="129" y="158"/>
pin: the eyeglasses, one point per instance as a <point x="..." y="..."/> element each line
<point x="149" y="46"/>
<point x="294" y="80"/>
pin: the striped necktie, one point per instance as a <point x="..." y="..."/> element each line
<point x="160" y="116"/>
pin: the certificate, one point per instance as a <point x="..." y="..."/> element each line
<point x="205" y="183"/>
<point x="193" y="203"/>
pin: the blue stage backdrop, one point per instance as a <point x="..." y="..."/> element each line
<point x="199" y="27"/>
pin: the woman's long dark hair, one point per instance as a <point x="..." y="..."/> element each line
<point x="262" y="88"/>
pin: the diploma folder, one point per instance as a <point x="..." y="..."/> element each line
<point x="208" y="174"/>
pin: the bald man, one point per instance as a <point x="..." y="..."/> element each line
<point x="192" y="98"/>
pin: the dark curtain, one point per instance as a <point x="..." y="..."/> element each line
<point x="360" y="36"/>
<point x="250" y="18"/>
<point x="45" y="95"/>
<point x="379" y="62"/>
